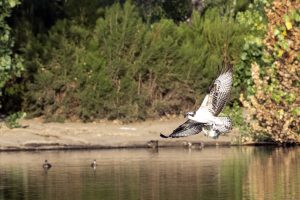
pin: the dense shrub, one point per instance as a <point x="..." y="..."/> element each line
<point x="256" y="22"/>
<point x="10" y="63"/>
<point x="273" y="107"/>
<point x="125" y="68"/>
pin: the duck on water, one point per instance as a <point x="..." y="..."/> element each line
<point x="94" y="164"/>
<point x="47" y="165"/>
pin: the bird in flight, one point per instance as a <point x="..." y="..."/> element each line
<point x="206" y="117"/>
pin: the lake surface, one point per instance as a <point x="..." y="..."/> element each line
<point x="211" y="173"/>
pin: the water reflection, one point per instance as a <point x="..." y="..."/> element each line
<point x="274" y="174"/>
<point x="212" y="173"/>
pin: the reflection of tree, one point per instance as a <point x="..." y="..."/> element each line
<point x="168" y="175"/>
<point x="233" y="171"/>
<point x="276" y="176"/>
<point x="13" y="184"/>
<point x="213" y="173"/>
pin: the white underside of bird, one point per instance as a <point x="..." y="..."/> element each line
<point x="217" y="127"/>
<point x="206" y="117"/>
<point x="203" y="115"/>
<point x="212" y="124"/>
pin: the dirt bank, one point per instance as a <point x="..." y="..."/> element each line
<point x="76" y="135"/>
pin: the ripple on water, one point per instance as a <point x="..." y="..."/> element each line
<point x="211" y="173"/>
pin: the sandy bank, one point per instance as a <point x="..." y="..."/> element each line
<point x="75" y="135"/>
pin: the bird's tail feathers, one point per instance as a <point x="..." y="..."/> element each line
<point x="226" y="124"/>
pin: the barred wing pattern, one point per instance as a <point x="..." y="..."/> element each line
<point x="217" y="129"/>
<point x="219" y="93"/>
<point x="225" y="126"/>
<point x="188" y="128"/>
<point x="206" y="116"/>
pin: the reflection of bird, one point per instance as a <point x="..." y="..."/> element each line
<point x="94" y="164"/>
<point x="47" y="165"/>
<point x="153" y="144"/>
<point x="192" y="145"/>
<point x="206" y="117"/>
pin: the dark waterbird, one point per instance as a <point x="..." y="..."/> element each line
<point x="94" y="164"/>
<point x="47" y="165"/>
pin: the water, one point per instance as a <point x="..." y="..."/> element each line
<point x="211" y="173"/>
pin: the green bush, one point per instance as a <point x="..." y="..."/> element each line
<point x="11" y="121"/>
<point x="124" y="68"/>
<point x="255" y="20"/>
<point x="10" y="63"/>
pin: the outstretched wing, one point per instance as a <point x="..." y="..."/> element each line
<point x="188" y="128"/>
<point x="220" y="92"/>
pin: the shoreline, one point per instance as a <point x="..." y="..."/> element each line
<point x="38" y="135"/>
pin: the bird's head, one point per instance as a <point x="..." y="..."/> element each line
<point x="192" y="114"/>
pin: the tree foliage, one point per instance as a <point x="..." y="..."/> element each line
<point x="274" y="106"/>
<point x="143" y="58"/>
<point x="10" y="63"/>
<point x="256" y="22"/>
<point x="125" y="68"/>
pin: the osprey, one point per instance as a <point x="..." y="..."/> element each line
<point x="206" y="117"/>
